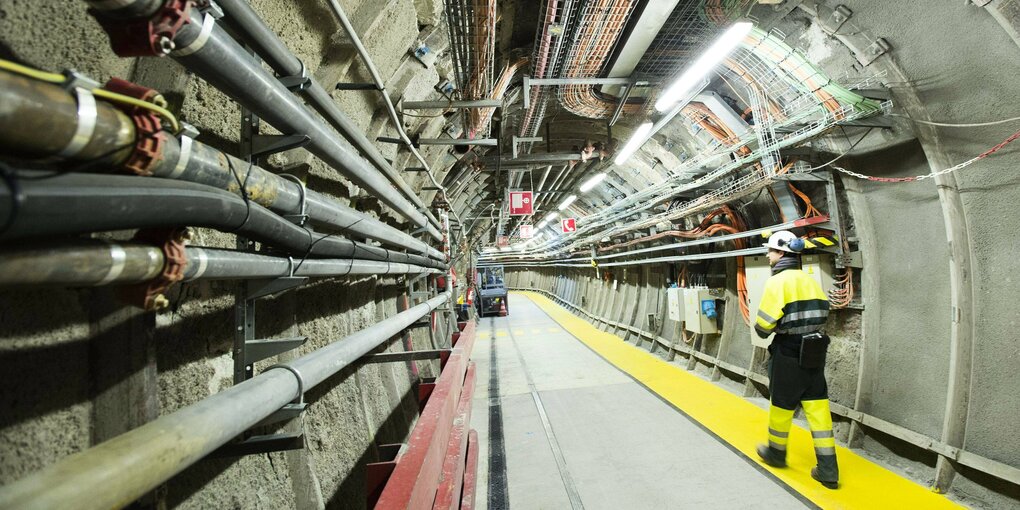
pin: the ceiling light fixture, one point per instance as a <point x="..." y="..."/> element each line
<point x="591" y="183"/>
<point x="636" y="141"/>
<point x="715" y="54"/>
<point x="566" y="202"/>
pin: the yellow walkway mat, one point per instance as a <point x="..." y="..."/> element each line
<point x="863" y="484"/>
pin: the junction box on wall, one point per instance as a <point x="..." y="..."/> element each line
<point x="700" y="315"/>
<point x="818" y="266"/>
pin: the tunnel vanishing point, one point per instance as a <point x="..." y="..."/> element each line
<point x="513" y="254"/>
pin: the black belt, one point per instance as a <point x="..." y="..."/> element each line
<point x="788" y="344"/>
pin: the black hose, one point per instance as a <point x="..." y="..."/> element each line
<point x="68" y="204"/>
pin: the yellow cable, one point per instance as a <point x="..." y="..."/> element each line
<point x="159" y="110"/>
<point x="106" y="94"/>
<point x="32" y="73"/>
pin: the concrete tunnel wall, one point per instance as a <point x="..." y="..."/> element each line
<point x="80" y="368"/>
<point x="961" y="61"/>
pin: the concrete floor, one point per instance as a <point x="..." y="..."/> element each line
<point x="578" y="433"/>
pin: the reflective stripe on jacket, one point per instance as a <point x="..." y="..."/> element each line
<point x="793" y="303"/>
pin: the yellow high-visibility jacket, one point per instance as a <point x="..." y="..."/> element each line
<point x="793" y="303"/>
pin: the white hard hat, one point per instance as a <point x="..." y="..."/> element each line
<point x="784" y="240"/>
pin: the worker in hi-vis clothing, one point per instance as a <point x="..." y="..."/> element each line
<point x="795" y="308"/>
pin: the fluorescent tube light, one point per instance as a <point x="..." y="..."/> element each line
<point x="551" y="216"/>
<point x="715" y="54"/>
<point x="636" y="141"/>
<point x="591" y="183"/>
<point x="566" y="202"/>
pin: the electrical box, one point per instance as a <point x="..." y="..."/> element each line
<point x="675" y="304"/>
<point x="820" y="267"/>
<point x="700" y="314"/>
<point x="757" y="270"/>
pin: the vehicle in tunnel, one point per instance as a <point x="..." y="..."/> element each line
<point x="492" y="291"/>
<point x="230" y="232"/>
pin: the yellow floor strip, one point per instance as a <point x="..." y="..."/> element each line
<point x="863" y="484"/>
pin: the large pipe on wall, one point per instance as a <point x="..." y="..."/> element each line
<point x="63" y="204"/>
<point x="93" y="263"/>
<point x="268" y="45"/>
<point x="205" y="48"/>
<point x="119" y="471"/>
<point x="39" y="119"/>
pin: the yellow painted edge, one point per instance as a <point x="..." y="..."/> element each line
<point x="863" y="484"/>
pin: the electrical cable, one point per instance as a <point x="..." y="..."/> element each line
<point x="837" y="158"/>
<point x="950" y="124"/>
<point x="48" y="77"/>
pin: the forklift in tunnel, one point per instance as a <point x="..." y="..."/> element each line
<point x="492" y="294"/>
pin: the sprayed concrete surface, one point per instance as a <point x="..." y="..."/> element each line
<point x="43" y="419"/>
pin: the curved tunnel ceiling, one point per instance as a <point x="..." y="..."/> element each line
<point x="764" y="82"/>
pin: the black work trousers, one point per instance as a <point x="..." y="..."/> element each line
<point x="789" y="384"/>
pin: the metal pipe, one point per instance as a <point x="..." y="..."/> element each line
<point x="119" y="471"/>
<point x="487" y="142"/>
<point x="207" y="50"/>
<point x="442" y="105"/>
<point x="63" y="204"/>
<point x="40" y="118"/>
<point x="268" y="45"/>
<point x="95" y="263"/>
<point x="394" y="118"/>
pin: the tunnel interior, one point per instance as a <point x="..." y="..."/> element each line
<point x="246" y="245"/>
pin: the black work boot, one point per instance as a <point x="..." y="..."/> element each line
<point x="772" y="456"/>
<point x="827" y="471"/>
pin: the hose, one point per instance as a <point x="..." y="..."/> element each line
<point x="53" y="204"/>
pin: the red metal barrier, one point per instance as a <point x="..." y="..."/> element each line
<point x="432" y="468"/>
<point x="467" y="499"/>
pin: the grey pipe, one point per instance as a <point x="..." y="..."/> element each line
<point x="63" y="204"/>
<point x="223" y="63"/>
<point x="94" y="263"/>
<point x="119" y="471"/>
<point x="268" y="45"/>
<point x="40" y="118"/>
<point x="381" y="85"/>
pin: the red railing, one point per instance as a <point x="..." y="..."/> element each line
<point x="438" y="467"/>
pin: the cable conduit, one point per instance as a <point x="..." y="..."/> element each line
<point x="119" y="471"/>
<point x="224" y="64"/>
<point x="95" y="263"/>
<point x="268" y="45"/>
<point x="40" y="116"/>
<point x="65" y="204"/>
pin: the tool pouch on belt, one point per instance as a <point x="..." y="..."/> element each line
<point x="812" y="350"/>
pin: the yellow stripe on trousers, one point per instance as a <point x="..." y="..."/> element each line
<point x="863" y="484"/>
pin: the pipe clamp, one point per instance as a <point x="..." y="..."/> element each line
<point x="183" y="158"/>
<point x="88" y="113"/>
<point x="208" y="23"/>
<point x="300" y="380"/>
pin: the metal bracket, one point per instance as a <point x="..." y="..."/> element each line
<point x="389" y="357"/>
<point x="264" y="145"/>
<point x="871" y="53"/>
<point x="299" y="81"/>
<point x="416" y="169"/>
<point x="852" y="259"/>
<point x="356" y="86"/>
<point x="262" y="444"/>
<point x="265" y="287"/>
<point x="839" y="16"/>
<point x="258" y="350"/>
<point x="75" y="80"/>
<point x="285" y="413"/>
